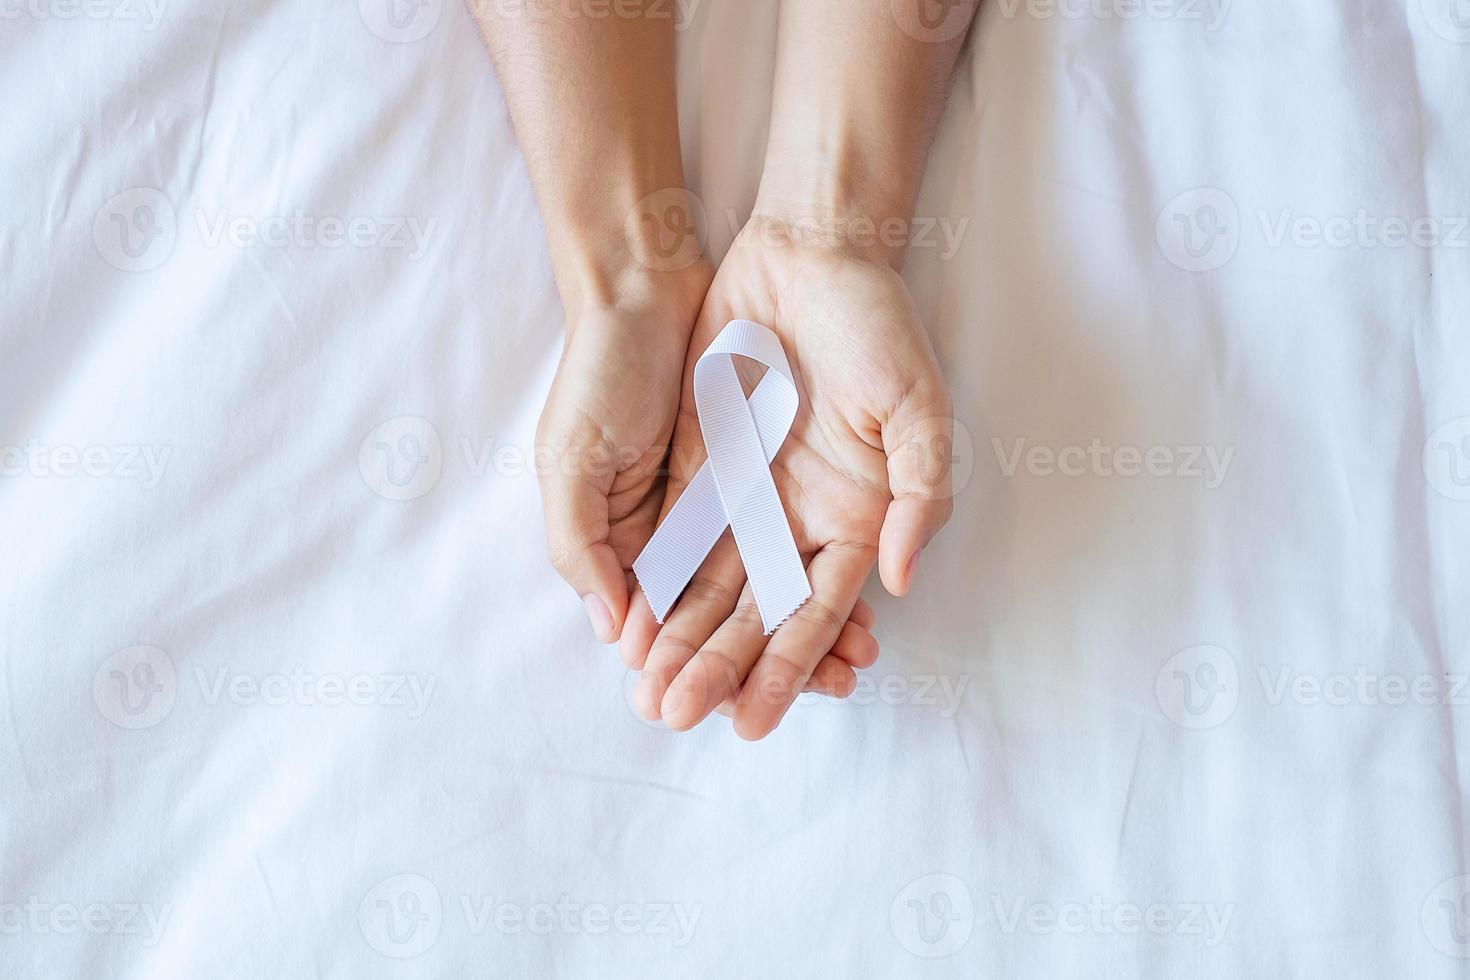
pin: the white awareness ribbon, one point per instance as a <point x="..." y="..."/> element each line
<point x="734" y="487"/>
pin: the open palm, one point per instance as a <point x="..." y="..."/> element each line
<point x="863" y="476"/>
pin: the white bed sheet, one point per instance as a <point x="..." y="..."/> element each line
<point x="1101" y="739"/>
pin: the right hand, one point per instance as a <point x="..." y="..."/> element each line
<point x="603" y="438"/>
<point x="602" y="451"/>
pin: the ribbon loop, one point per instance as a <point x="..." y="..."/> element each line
<point x="734" y="487"/>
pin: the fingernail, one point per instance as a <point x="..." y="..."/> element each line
<point x="597" y="612"/>
<point x="913" y="566"/>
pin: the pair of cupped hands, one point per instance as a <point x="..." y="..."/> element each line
<point x="863" y="475"/>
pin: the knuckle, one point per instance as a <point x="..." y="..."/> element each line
<point x="669" y="655"/>
<point x="717" y="669"/>
<point x="563" y="554"/>
<point x="820" y="615"/>
<point x="747" y="613"/>
<point x="703" y="590"/>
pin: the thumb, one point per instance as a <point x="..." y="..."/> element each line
<point x="919" y="442"/>
<point x="577" y="538"/>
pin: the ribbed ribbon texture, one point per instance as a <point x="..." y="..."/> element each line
<point x="734" y="487"/>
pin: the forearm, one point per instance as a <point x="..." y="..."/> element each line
<point x="594" y="108"/>
<point x="858" y="94"/>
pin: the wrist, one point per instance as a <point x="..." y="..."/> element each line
<point x="631" y="250"/>
<point x="660" y="306"/>
<point x="836" y="197"/>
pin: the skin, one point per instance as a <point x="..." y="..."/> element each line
<point x="865" y="472"/>
<point x="593" y="104"/>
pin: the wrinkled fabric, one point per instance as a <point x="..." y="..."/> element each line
<point x="291" y="690"/>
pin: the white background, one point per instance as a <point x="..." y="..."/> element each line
<point x="1115" y="706"/>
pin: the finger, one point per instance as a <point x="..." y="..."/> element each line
<point x="707" y="601"/>
<point x="832" y="665"/>
<point x="837" y="573"/>
<point x="716" y="671"/>
<point x="639" y="631"/>
<point x="832" y="677"/>
<point x="919" y="442"/>
<point x="855" y="646"/>
<point x="576" y="534"/>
